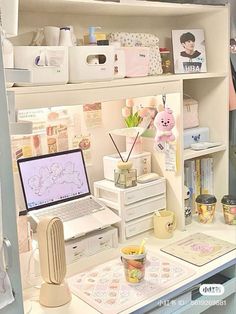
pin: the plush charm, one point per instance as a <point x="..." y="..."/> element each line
<point x="164" y="123"/>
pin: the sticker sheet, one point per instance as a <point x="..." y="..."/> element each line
<point x="105" y="288"/>
<point x="199" y="248"/>
<point x="93" y="115"/>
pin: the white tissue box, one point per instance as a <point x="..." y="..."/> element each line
<point x="195" y="135"/>
<point x="49" y="65"/>
<point x="91" y="63"/>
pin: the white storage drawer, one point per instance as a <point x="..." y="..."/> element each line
<point x="76" y="249"/>
<point x="151" y="189"/>
<point x="48" y="64"/>
<point x="144" y="207"/>
<point x="102" y="241"/>
<point x="139" y="225"/>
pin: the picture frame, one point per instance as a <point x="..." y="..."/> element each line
<point x="189" y="51"/>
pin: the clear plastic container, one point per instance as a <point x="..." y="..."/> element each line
<point x="166" y="60"/>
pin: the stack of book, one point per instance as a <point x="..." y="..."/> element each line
<point x="198" y="176"/>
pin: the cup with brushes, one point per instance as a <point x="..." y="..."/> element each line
<point x="133" y="258"/>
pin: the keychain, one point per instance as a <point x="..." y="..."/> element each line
<point x="164" y="123"/>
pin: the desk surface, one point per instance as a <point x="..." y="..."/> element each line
<point x="218" y="229"/>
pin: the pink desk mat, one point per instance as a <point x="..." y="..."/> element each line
<point x="199" y="249"/>
<point x="104" y="287"/>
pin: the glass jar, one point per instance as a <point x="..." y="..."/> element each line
<point x="229" y="209"/>
<point x="124" y="176"/>
<point x="206" y="204"/>
<point x="165" y="60"/>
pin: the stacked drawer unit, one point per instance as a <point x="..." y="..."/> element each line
<point x="134" y="205"/>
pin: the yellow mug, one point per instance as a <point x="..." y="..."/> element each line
<point x="164" y="224"/>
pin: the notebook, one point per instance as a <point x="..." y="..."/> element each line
<point x="57" y="185"/>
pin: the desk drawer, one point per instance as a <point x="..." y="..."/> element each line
<point x="139" y="225"/>
<point x="144" y="207"/>
<point x="143" y="192"/>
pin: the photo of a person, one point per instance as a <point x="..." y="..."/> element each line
<point x="189" y="51"/>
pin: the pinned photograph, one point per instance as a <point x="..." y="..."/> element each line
<point x="189" y="51"/>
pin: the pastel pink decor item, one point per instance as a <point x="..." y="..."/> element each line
<point x="136" y="61"/>
<point x="164" y="123"/>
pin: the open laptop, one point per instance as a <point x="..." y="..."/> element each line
<point x="57" y="185"/>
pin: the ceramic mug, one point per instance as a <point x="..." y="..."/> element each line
<point x="164" y="224"/>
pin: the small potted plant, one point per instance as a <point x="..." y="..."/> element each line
<point x="133" y="116"/>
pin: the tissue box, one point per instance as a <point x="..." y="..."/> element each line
<point x="49" y="65"/>
<point x="119" y="63"/>
<point x="136" y="61"/>
<point x="194" y="135"/>
<point x="91" y="63"/>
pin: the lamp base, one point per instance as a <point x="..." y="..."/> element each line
<point x="52" y="295"/>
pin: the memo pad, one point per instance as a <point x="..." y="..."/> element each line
<point x="199" y="248"/>
<point x="104" y="287"/>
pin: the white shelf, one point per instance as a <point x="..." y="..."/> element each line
<point x="116" y="82"/>
<point x="137" y="8"/>
<point x="190" y="153"/>
<point x="54" y="95"/>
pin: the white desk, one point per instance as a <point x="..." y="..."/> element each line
<point x="218" y="229"/>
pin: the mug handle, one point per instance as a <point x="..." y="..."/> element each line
<point x="174" y="221"/>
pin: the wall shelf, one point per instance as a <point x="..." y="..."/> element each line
<point x="190" y="153"/>
<point x="137" y="8"/>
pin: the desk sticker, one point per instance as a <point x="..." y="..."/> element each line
<point x="104" y="287"/>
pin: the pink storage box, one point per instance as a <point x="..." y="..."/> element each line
<point x="136" y="61"/>
<point x="190" y="113"/>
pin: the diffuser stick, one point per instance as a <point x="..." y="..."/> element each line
<point x="132" y="146"/>
<point x="116" y="147"/>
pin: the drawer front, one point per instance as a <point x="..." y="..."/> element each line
<point x="145" y="207"/>
<point x="138" y="226"/>
<point x="145" y="192"/>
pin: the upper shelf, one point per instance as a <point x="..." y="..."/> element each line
<point x="125" y="8"/>
<point x="75" y="94"/>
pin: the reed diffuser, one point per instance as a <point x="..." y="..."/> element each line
<point x="125" y="176"/>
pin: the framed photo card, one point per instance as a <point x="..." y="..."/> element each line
<point x="189" y="50"/>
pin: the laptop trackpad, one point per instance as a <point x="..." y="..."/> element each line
<point x="80" y="226"/>
<point x="106" y="217"/>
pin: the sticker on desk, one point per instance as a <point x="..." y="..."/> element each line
<point x="199" y="248"/>
<point x="105" y="288"/>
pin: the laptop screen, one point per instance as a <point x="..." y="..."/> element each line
<point x="54" y="178"/>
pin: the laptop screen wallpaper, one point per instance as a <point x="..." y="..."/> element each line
<point x="52" y="179"/>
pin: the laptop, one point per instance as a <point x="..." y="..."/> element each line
<point x="57" y="185"/>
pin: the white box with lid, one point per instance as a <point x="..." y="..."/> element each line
<point x="195" y="135"/>
<point x="48" y="64"/>
<point x="141" y="162"/>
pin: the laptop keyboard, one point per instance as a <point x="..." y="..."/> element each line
<point x="72" y="210"/>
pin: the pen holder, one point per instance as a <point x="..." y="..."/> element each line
<point x="124" y="175"/>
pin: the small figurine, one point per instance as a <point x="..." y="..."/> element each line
<point x="164" y="123"/>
